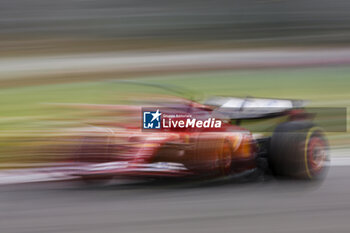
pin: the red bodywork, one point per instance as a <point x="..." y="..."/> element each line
<point x="125" y="150"/>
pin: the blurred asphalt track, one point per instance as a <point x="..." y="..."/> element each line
<point x="241" y="206"/>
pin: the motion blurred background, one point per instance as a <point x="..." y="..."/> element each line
<point x="69" y="51"/>
<point x="56" y="53"/>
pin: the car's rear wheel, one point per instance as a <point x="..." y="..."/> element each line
<point x="299" y="149"/>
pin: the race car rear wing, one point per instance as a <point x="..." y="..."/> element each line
<point x="251" y="108"/>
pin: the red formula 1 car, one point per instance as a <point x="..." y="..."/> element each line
<point x="295" y="148"/>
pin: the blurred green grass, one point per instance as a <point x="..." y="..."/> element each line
<point x="29" y="108"/>
<point x="326" y="87"/>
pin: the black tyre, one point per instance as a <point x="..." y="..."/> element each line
<point x="299" y="149"/>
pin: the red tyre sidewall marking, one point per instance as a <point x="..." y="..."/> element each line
<point x="316" y="164"/>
